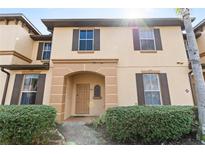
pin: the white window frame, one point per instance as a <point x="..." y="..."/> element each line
<point x="43" y="50"/>
<point x="160" y="96"/>
<point x="22" y="86"/>
<point x="85" y="40"/>
<point x="147" y="39"/>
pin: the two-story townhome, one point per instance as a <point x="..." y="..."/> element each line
<point x="88" y="65"/>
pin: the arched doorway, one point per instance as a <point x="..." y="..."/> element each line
<point x="80" y="99"/>
<point x="66" y="74"/>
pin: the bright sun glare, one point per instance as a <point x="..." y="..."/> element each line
<point x="136" y="13"/>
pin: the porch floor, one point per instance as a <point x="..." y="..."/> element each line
<point x="76" y="131"/>
<point x="85" y="119"/>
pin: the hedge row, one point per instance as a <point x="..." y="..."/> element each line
<point x="26" y="124"/>
<point x="149" y="124"/>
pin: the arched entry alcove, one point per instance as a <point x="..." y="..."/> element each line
<point x="70" y="76"/>
<point x="79" y="94"/>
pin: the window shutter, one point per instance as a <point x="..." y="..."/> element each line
<point x="97" y="39"/>
<point x="17" y="89"/>
<point x="40" y="50"/>
<point x="75" y="39"/>
<point x="164" y="89"/>
<point x="40" y="89"/>
<point x="140" y="89"/>
<point x="158" y="41"/>
<point x="136" y="39"/>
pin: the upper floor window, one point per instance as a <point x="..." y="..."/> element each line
<point x="29" y="89"/>
<point x="152" y="92"/>
<point x="86" y="40"/>
<point x="147" y="39"/>
<point x="46" y="53"/>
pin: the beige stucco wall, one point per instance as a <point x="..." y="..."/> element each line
<point x="11" y="59"/>
<point x="117" y="42"/>
<point x="178" y="83"/>
<point x="201" y="44"/>
<point x="16" y="38"/>
<point x="203" y="59"/>
<point x="24" y="44"/>
<point x="200" y="41"/>
<point x="8" y="35"/>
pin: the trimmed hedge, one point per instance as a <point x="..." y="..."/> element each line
<point x="26" y="124"/>
<point x="149" y="124"/>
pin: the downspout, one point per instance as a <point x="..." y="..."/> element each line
<point x="6" y="85"/>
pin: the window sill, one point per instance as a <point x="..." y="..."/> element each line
<point x="148" y="51"/>
<point x="97" y="97"/>
<point x="86" y="51"/>
<point x="45" y="61"/>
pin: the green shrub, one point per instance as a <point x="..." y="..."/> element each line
<point x="26" y="124"/>
<point x="149" y="124"/>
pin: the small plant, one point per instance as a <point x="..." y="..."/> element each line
<point x="26" y="124"/>
<point x="100" y="121"/>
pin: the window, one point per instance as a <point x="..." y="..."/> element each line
<point x="29" y="89"/>
<point x="86" y="40"/>
<point x="46" y="53"/>
<point x="147" y="41"/>
<point x="151" y="89"/>
<point x="97" y="91"/>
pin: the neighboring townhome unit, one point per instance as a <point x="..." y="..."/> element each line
<point x="199" y="31"/>
<point x="95" y="64"/>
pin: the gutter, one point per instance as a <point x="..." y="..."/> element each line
<point x="6" y="85"/>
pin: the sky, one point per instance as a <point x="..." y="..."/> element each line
<point x="35" y="15"/>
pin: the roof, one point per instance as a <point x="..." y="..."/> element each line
<point x="44" y="66"/>
<point x="21" y="17"/>
<point x="120" y="22"/>
<point x="199" y="25"/>
<point x="41" y="37"/>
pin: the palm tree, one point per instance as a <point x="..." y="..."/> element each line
<point x="194" y="59"/>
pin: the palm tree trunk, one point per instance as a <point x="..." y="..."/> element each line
<point x="196" y="68"/>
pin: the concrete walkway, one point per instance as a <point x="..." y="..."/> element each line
<point x="76" y="132"/>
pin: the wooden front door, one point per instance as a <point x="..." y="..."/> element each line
<point x="82" y="98"/>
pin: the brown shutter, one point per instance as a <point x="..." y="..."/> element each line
<point x="158" y="40"/>
<point x="164" y="89"/>
<point x="40" y="89"/>
<point x="17" y="89"/>
<point x="136" y="39"/>
<point x="140" y="89"/>
<point x="75" y="39"/>
<point x="97" y="39"/>
<point x="40" y="50"/>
